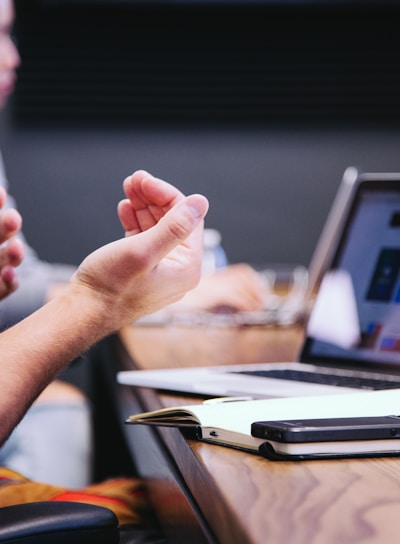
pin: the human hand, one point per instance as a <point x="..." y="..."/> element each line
<point x="147" y="200"/>
<point x="238" y="287"/>
<point x="11" y="250"/>
<point x="157" y="262"/>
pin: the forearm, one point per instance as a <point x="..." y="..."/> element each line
<point x="154" y="265"/>
<point x="36" y="349"/>
<point x="36" y="282"/>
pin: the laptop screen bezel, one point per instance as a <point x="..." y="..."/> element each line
<point x="366" y="182"/>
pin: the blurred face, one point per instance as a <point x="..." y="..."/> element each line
<point x="9" y="57"/>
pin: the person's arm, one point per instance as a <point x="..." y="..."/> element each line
<point x="236" y="288"/>
<point x="154" y="265"/>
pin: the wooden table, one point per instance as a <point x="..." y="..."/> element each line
<point x="209" y="493"/>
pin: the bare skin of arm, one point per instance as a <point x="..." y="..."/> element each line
<point x="156" y="263"/>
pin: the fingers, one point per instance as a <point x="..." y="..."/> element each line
<point x="143" y="186"/>
<point x="148" y="199"/>
<point x="12" y="253"/>
<point x="10" y="224"/>
<point x="11" y="256"/>
<point x="170" y="227"/>
<point x="8" y="281"/>
<point x="3" y="196"/>
<point x="177" y="228"/>
<point x="127" y="217"/>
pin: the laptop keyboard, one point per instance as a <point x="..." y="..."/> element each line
<point x="358" y="382"/>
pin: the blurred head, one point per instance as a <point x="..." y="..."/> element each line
<point x="9" y="57"/>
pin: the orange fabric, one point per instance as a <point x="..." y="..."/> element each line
<point x="126" y="497"/>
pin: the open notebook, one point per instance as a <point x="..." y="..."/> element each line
<point x="353" y="332"/>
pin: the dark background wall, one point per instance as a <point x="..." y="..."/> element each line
<point x="260" y="105"/>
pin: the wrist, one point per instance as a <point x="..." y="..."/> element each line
<point x="95" y="312"/>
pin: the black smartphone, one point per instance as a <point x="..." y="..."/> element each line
<point x="327" y="430"/>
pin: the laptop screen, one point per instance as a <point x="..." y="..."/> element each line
<point x="368" y="254"/>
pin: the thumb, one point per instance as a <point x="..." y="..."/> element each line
<point x="177" y="225"/>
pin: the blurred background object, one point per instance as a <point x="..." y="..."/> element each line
<point x="261" y="105"/>
<point x="214" y="255"/>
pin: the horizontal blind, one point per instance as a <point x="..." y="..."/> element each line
<point x="127" y="64"/>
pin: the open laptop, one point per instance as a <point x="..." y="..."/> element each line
<point x="353" y="331"/>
